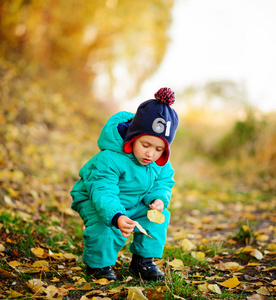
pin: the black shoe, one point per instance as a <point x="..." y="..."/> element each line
<point x="98" y="273"/>
<point x="145" y="268"/>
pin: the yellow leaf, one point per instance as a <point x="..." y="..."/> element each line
<point x="55" y="279"/>
<point x="231" y="282"/>
<point x="187" y="245"/>
<point x="24" y="216"/>
<point x="262" y="238"/>
<point x="39" y="252"/>
<point x="54" y="292"/>
<point x="256" y="297"/>
<point x="256" y="253"/>
<point x="55" y="255"/>
<point x="28" y="270"/>
<point x="9" y="202"/>
<point x="247" y="249"/>
<point x="10" y="241"/>
<point x="69" y="256"/>
<point x="14" y="263"/>
<point x="2" y="248"/>
<point x="103" y="281"/>
<point x="13" y="193"/>
<point x="203" y="287"/>
<point x="155" y="216"/>
<point x="271" y="247"/>
<point x="177" y="264"/>
<point x="86" y="287"/>
<point x="273" y="282"/>
<point x="198" y="255"/>
<point x="36" y="285"/>
<point x="14" y="294"/>
<point x="135" y="293"/>
<point x="214" y="288"/>
<point x="40" y="263"/>
<point x="142" y="229"/>
<point x="253" y="264"/>
<point x="263" y="291"/>
<point x="7" y="274"/>
<point x="245" y="228"/>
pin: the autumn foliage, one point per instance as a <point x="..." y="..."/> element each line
<point x="63" y="66"/>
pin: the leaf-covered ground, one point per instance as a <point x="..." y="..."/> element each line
<point x="221" y="245"/>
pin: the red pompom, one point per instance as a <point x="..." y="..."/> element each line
<point x="165" y="95"/>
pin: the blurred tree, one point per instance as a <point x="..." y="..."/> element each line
<point x="217" y="95"/>
<point x="89" y="42"/>
<point x="57" y="58"/>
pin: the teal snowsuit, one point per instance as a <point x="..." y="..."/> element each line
<point x="112" y="182"/>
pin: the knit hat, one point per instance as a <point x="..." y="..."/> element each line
<point x="154" y="117"/>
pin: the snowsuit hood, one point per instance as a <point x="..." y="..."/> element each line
<point x="110" y="138"/>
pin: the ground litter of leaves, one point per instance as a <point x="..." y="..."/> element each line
<point x="221" y="245"/>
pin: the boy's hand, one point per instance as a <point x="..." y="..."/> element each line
<point x="158" y="205"/>
<point x="126" y="225"/>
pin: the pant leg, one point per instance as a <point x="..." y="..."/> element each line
<point x="101" y="243"/>
<point x="143" y="245"/>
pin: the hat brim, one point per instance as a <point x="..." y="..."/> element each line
<point x="161" y="161"/>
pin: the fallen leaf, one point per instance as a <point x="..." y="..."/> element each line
<point x="230" y="283"/>
<point x="86" y="287"/>
<point x="177" y="264"/>
<point x="135" y="293"/>
<point x="198" y="255"/>
<point x="155" y="216"/>
<point x="55" y="279"/>
<point x="262" y="238"/>
<point x="263" y="291"/>
<point x="187" y="245"/>
<point x="13" y="294"/>
<point x="7" y="274"/>
<point x="36" y="285"/>
<point x="256" y="297"/>
<point x="69" y="256"/>
<point x="39" y="252"/>
<point x="57" y="256"/>
<point x="257" y="254"/>
<point x="203" y="287"/>
<point x="15" y="263"/>
<point x="228" y="266"/>
<point x="214" y="288"/>
<point x="54" y="292"/>
<point x="103" y="281"/>
<point x="42" y="264"/>
<point x="154" y="294"/>
<point x="27" y="269"/>
<point x="142" y="229"/>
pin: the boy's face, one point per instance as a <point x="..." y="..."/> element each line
<point x="148" y="149"/>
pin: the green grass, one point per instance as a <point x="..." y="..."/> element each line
<point x="59" y="233"/>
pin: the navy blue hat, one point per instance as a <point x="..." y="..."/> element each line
<point x="154" y="117"/>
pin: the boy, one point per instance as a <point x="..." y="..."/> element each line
<point x="129" y="175"/>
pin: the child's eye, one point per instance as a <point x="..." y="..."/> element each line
<point x="145" y="145"/>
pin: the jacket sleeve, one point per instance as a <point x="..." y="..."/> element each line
<point x="101" y="182"/>
<point x="162" y="186"/>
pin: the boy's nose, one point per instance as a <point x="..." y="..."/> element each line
<point x="149" y="153"/>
